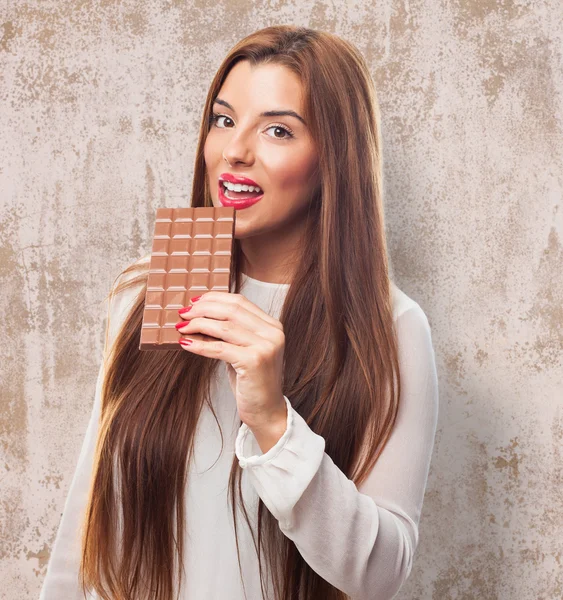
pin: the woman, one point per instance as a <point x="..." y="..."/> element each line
<point x="322" y="386"/>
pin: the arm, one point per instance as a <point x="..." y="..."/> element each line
<point x="61" y="580"/>
<point x="362" y="541"/>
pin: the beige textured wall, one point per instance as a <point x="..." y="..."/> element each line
<point x="99" y="112"/>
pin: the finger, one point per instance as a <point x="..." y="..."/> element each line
<point x="238" y="315"/>
<point x="199" y="337"/>
<point x="222" y="330"/>
<point x="220" y="350"/>
<point x="236" y="299"/>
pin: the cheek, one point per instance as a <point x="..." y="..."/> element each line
<point x="212" y="148"/>
<point x="294" y="178"/>
<point x="293" y="191"/>
<point x="207" y="151"/>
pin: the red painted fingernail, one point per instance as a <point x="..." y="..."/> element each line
<point x="184" y="310"/>
<point x="182" y="324"/>
<point x="186" y="341"/>
<point x="196" y="298"/>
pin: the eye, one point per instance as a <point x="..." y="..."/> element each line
<point x="214" y="119"/>
<point x="283" y="128"/>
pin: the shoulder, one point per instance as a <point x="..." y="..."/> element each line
<point x="144" y="259"/>
<point x="141" y="264"/>
<point x="414" y="335"/>
<point x="411" y="323"/>
<point x="403" y="303"/>
<point x="123" y="295"/>
<point x="131" y="271"/>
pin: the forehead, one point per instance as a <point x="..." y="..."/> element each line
<point x="262" y="87"/>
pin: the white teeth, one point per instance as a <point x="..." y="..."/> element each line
<point x="237" y="187"/>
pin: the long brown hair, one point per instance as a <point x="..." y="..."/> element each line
<point x="341" y="370"/>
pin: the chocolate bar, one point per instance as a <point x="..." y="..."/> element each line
<point x="191" y="254"/>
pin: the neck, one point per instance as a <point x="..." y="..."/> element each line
<point x="269" y="258"/>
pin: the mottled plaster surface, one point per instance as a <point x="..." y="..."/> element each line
<point x="99" y="113"/>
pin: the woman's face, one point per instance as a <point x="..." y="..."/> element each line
<point x="276" y="152"/>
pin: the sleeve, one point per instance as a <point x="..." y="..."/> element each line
<point x="61" y="580"/>
<point x="361" y="540"/>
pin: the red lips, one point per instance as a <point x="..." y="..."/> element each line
<point x="237" y="179"/>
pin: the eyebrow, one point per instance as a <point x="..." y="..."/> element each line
<point x="268" y="113"/>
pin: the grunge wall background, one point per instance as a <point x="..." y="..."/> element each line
<point x="100" y="104"/>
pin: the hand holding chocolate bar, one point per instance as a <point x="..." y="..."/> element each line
<point x="252" y="344"/>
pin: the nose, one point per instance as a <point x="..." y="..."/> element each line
<point x="238" y="150"/>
